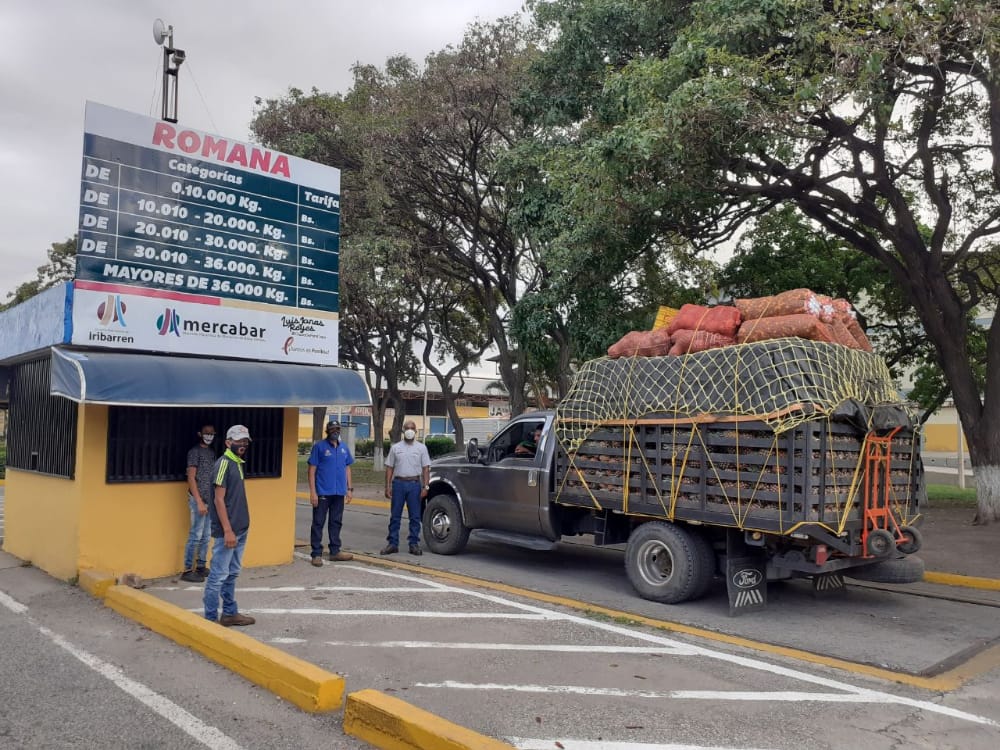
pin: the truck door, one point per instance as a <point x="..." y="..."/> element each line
<point x="507" y="490"/>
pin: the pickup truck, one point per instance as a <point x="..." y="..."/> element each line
<point x="694" y="499"/>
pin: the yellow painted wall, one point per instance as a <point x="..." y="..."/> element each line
<point x="942" y="437"/>
<point x="63" y="526"/>
<point x="40" y="521"/>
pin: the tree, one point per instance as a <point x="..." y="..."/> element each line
<point x="61" y="267"/>
<point x="879" y="120"/>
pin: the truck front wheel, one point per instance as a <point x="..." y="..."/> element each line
<point x="444" y="530"/>
<point x="666" y="563"/>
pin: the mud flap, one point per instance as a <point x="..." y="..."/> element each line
<point x="746" y="582"/>
<point x="828" y="584"/>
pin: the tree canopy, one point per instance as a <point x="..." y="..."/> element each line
<point x="877" y="120"/>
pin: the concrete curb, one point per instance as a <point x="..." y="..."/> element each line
<point x="393" y="724"/>
<point x="299" y="682"/>
<point x="96" y="582"/>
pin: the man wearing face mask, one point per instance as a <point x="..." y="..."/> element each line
<point x="200" y="460"/>
<point x="329" y="486"/>
<point x="230" y="523"/>
<point x="407" y="479"/>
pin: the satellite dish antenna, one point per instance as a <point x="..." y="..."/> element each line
<point x="160" y="31"/>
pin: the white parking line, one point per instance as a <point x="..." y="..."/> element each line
<point x="287" y="589"/>
<point x="872" y="696"/>
<point x="534" y="744"/>
<point x="398" y="613"/>
<point x="179" y="717"/>
<point x="549" y="647"/>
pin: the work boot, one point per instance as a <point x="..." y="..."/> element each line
<point x="340" y="556"/>
<point x="317" y="562"/>
<point x="415" y="549"/>
<point x="192" y="576"/>
<point x="236" y="620"/>
<point x="389" y="549"/>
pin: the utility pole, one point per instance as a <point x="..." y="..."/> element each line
<point x="172" y="60"/>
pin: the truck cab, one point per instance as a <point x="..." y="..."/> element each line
<point x="495" y="486"/>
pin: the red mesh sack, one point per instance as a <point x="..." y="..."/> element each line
<point x="825" y="308"/>
<point x="792" y="302"/>
<point x="843" y="306"/>
<point x="804" y="326"/>
<point x="721" y="319"/>
<point x="689" y="342"/>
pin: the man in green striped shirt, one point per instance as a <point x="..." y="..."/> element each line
<point x="230" y="524"/>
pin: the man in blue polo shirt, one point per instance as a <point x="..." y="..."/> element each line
<point x="329" y="487"/>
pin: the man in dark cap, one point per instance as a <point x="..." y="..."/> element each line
<point x="329" y="488"/>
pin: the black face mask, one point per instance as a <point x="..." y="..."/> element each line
<point x="333" y="436"/>
<point x="240" y="450"/>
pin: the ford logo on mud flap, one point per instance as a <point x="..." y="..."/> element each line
<point x="747" y="579"/>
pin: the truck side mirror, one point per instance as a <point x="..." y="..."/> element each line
<point x="472" y="451"/>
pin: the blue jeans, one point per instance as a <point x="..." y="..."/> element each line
<point x="408" y="494"/>
<point x="197" y="544"/>
<point x="226" y="566"/>
<point x="329" y="507"/>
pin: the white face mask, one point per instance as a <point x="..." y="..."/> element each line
<point x="207" y="439"/>
<point x="409" y="434"/>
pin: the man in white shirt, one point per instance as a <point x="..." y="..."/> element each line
<point x="407" y="479"/>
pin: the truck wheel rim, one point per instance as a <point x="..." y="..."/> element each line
<point x="655" y="563"/>
<point x="441" y="525"/>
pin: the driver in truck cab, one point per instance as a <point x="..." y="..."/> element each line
<point x="527" y="448"/>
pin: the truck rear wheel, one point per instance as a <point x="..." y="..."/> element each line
<point x="666" y="563"/>
<point x="444" y="530"/>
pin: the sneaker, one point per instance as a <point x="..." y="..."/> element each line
<point x="317" y="562"/>
<point x="192" y="576"/>
<point x="341" y="557"/>
<point x="389" y="549"/>
<point x="415" y="549"/>
<point x="202" y="571"/>
<point x="236" y="620"/>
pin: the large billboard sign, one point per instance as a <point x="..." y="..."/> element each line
<point x="195" y="243"/>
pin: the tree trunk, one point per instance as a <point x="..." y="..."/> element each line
<point x="378" y="419"/>
<point x="319" y="423"/>
<point x="987" y="494"/>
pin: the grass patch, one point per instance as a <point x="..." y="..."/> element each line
<point x="943" y="495"/>
<point x="361" y="472"/>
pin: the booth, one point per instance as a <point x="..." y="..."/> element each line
<point x="206" y="292"/>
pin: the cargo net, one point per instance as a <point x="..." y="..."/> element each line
<point x="782" y="382"/>
<point x="775" y="388"/>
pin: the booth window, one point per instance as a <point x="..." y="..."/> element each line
<point x="150" y="444"/>
<point x="41" y="427"/>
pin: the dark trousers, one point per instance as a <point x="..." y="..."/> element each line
<point x="405" y="494"/>
<point x="332" y="507"/>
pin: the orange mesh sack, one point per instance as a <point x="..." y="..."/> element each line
<point x="690" y="342"/>
<point x="855" y="329"/>
<point x="641" y="344"/>
<point x="840" y="333"/>
<point x="792" y="302"/>
<point x="721" y="319"/>
<point x="804" y="325"/>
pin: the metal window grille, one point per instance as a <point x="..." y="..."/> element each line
<point x="150" y="444"/>
<point x="41" y="427"/>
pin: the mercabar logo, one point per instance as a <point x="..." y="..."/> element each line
<point x="169" y="322"/>
<point x="112" y="310"/>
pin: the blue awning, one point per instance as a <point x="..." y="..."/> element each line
<point x="156" y="380"/>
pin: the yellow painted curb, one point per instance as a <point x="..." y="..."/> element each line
<point x="96" y="582"/>
<point x="953" y="579"/>
<point x="304" y="684"/>
<point x="392" y="724"/>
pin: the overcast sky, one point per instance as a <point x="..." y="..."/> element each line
<point x="57" y="54"/>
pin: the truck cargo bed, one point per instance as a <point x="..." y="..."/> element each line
<point x="806" y="480"/>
